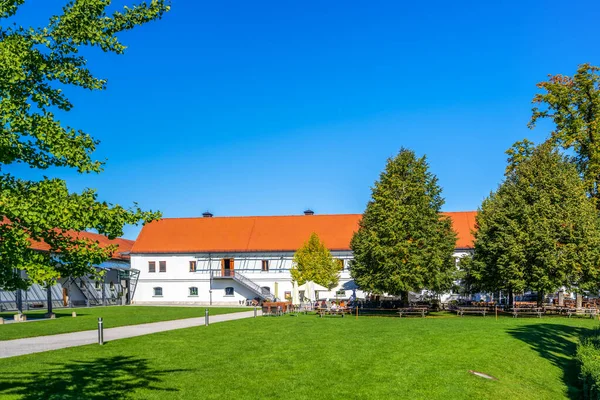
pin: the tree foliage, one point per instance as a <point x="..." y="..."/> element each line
<point x="36" y="63"/>
<point x="403" y="242"/>
<point x="573" y="104"/>
<point x="313" y="262"/>
<point x="538" y="231"/>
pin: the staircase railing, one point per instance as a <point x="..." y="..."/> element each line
<point x="250" y="284"/>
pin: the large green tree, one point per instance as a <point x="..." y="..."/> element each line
<point x="573" y="104"/>
<point x="36" y="64"/>
<point x="539" y="230"/>
<point x="403" y="242"/>
<point x="313" y="262"/>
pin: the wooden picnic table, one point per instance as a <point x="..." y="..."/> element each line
<point x="333" y="312"/>
<point x="516" y="311"/>
<point x="413" y="311"/>
<point x="592" y="312"/>
<point x="461" y="311"/>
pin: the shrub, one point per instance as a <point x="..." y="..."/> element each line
<point x="588" y="356"/>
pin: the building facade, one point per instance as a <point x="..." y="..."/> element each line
<point x="116" y="287"/>
<point x="234" y="260"/>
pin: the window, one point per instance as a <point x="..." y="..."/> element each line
<point x="162" y="266"/>
<point x="340" y="263"/>
<point x="287" y="295"/>
<point x="111" y="285"/>
<point x="341" y="293"/>
<point x="193" y="291"/>
<point x="158" y="292"/>
<point x="151" y="266"/>
<point x="192" y="266"/>
<point x="228" y="291"/>
<point x="265" y="265"/>
<point x="97" y="285"/>
<point x="82" y="284"/>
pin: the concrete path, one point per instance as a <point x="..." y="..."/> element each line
<point x="18" y="347"/>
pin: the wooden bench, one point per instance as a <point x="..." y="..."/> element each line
<point x="592" y="312"/>
<point x="461" y="311"/>
<point x="412" y="311"/>
<point x="337" y="312"/>
<point x="555" y="310"/>
<point x="527" y="311"/>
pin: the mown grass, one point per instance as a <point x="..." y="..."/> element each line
<point x="307" y="357"/>
<point x="87" y="318"/>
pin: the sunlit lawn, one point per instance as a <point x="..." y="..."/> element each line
<point x="87" y="318"/>
<point x="315" y="358"/>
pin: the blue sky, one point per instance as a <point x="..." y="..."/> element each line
<point x="268" y="108"/>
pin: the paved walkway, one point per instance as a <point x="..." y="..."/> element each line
<point x="18" y="347"/>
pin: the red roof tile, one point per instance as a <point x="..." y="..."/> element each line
<point x="124" y="245"/>
<point x="272" y="233"/>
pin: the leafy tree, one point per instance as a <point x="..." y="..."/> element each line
<point x="36" y="64"/>
<point x="573" y="104"/>
<point x="403" y="242"/>
<point x="538" y="231"/>
<point x="313" y="262"/>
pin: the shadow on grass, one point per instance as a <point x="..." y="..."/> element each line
<point x="558" y="344"/>
<point x="102" y="378"/>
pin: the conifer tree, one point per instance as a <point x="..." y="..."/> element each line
<point x="539" y="230"/>
<point x="403" y="242"/>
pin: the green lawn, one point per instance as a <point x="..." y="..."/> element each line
<point x="315" y="358"/>
<point x="87" y="318"/>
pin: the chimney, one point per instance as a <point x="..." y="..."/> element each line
<point x="207" y="214"/>
<point x="309" y="212"/>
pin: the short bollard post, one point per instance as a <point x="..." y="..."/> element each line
<point x="206" y="317"/>
<point x="254" y="312"/>
<point x="100" y="331"/>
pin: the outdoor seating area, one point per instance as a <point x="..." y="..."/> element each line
<point x="538" y="311"/>
<point x="276" y="308"/>
<point x="461" y="311"/>
<point x="422" y="311"/>
<point x="321" y="312"/>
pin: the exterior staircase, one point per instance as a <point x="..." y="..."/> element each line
<point x="263" y="293"/>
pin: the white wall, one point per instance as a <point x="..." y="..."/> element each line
<point x="177" y="279"/>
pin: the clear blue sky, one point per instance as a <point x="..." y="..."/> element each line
<point x="266" y="108"/>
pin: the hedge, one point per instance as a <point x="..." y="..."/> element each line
<point x="588" y="355"/>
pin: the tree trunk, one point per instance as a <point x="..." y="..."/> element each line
<point x="511" y="298"/>
<point x="540" y="298"/>
<point x="579" y="300"/>
<point x="49" y="298"/>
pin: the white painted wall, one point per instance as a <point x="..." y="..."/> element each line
<point x="178" y="279"/>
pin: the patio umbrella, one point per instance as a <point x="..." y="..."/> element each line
<point x="316" y="287"/>
<point x="295" y="299"/>
<point x="308" y="293"/>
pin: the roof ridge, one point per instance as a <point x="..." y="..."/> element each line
<point x="262" y="216"/>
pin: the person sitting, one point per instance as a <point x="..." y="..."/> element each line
<point x="323" y="304"/>
<point x="342" y="304"/>
<point x="334" y="306"/>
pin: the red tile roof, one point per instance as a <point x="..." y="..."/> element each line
<point x="124" y="245"/>
<point x="252" y="234"/>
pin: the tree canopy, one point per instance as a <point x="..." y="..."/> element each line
<point x="539" y="230"/>
<point x="313" y="262"/>
<point x="573" y="104"/>
<point x="403" y="242"/>
<point x="36" y="64"/>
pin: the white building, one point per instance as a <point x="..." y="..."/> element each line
<point x="232" y="260"/>
<point x="115" y="288"/>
